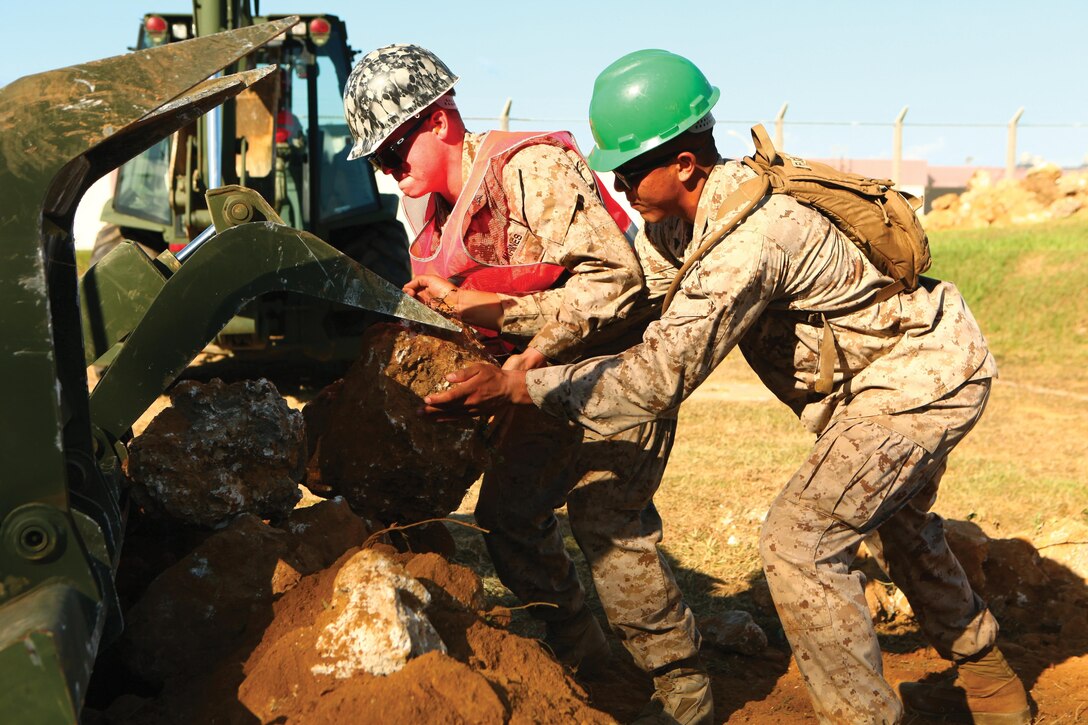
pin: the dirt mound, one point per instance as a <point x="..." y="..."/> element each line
<point x="1045" y="193"/>
<point x="488" y="675"/>
<point x="232" y="633"/>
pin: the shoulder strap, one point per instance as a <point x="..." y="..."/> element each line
<point x="745" y="199"/>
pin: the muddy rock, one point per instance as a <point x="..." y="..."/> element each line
<point x="199" y="609"/>
<point x="377" y="451"/>
<point x="321" y="533"/>
<point x="220" y="450"/>
<point x="734" y="631"/>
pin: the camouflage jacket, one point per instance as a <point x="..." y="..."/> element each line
<point x="760" y="289"/>
<point x="552" y="202"/>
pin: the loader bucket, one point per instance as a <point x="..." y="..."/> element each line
<point x="61" y="503"/>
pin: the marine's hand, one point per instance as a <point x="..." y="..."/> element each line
<point x="528" y="360"/>
<point x="433" y="291"/>
<point x="479" y="389"/>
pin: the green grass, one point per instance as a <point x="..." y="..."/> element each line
<point x="1026" y="286"/>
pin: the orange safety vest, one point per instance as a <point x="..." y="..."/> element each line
<point x="445" y="254"/>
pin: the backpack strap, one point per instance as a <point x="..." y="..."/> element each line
<point x="745" y="199"/>
<point x="829" y="349"/>
<point x="765" y="154"/>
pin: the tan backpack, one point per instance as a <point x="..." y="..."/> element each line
<point x="878" y="219"/>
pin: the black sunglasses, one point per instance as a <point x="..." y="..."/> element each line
<point x="629" y="175"/>
<point x="392" y="157"/>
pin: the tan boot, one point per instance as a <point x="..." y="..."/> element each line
<point x="681" y="695"/>
<point x="579" y="644"/>
<point x="985" y="689"/>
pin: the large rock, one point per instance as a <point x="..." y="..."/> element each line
<point x="1042" y="181"/>
<point x="376" y="450"/>
<point x="220" y="450"/>
<point x="734" y="631"/>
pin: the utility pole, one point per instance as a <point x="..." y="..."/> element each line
<point x="897" y="147"/>
<point x="779" y="121"/>
<point x="1010" y="147"/>
<point x="504" y="117"/>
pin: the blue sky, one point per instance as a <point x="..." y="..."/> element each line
<point x="850" y="63"/>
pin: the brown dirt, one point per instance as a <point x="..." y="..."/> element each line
<point x="492" y="674"/>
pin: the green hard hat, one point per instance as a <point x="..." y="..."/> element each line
<point x="641" y="101"/>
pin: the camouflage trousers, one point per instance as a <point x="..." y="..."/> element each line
<point x="608" y="486"/>
<point x="871" y="478"/>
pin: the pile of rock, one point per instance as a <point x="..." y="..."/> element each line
<point x="318" y="620"/>
<point x="243" y="603"/>
<point x="1044" y="194"/>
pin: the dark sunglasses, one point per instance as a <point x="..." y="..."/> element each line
<point x="630" y="175"/>
<point x="392" y="157"/>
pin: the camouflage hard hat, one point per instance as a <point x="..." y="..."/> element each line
<point x="387" y="88"/>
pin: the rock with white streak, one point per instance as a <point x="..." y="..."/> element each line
<point x="220" y="595"/>
<point x="378" y="620"/>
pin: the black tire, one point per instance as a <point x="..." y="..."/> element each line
<point x="382" y="248"/>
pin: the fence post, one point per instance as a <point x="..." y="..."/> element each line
<point x="504" y="117"/>
<point x="779" y="120"/>
<point x="897" y="147"/>
<point x="1010" y="146"/>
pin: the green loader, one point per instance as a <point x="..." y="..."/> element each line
<point x="286" y="138"/>
<point x="62" y="495"/>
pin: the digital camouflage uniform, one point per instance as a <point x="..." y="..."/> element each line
<point x="912" y="377"/>
<point x="608" y="483"/>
